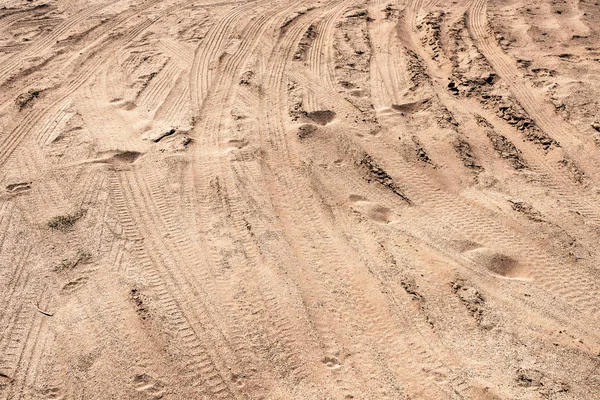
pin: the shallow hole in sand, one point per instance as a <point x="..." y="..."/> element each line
<point x="321" y="117"/>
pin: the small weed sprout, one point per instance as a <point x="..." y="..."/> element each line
<point x="65" y="222"/>
<point x="82" y="257"/>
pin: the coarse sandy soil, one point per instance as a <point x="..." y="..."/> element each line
<point x="213" y="199"/>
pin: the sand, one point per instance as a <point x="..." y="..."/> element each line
<point x="299" y="199"/>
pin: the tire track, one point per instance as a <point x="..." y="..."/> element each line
<point x="154" y="95"/>
<point x="253" y="257"/>
<point x="552" y="278"/>
<point x="179" y="53"/>
<point x="428" y="215"/>
<point x="26" y="359"/>
<point x="31" y="354"/>
<point x="230" y="70"/>
<point x="583" y="300"/>
<point x="286" y="187"/>
<point x="202" y="369"/>
<point x="504" y="66"/>
<point x="7" y="210"/>
<point x="23" y="359"/>
<point x="201" y="75"/>
<point x="22" y="324"/>
<point x="485" y="229"/>
<point x="386" y="82"/>
<point x="47" y="42"/>
<point x="549" y="175"/>
<point x="319" y="55"/>
<point x="94" y="57"/>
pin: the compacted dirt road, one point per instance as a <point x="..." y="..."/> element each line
<point x="299" y="199"/>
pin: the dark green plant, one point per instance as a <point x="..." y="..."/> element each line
<point x="65" y="222"/>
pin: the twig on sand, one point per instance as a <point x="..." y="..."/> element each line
<point x="76" y="262"/>
<point x="42" y="311"/>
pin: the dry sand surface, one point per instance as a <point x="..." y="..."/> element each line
<point x="299" y="199"/>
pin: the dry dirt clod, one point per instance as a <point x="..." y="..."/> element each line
<point x="26" y="99"/>
<point x="377" y="174"/>
<point x="463" y="148"/>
